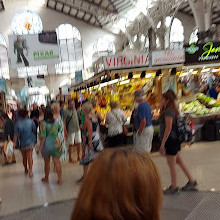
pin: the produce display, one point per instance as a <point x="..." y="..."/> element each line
<point x="208" y="100"/>
<point x="195" y="107"/>
<point x="203" y="106"/>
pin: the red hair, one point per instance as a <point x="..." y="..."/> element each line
<point x="122" y="185"/>
<point x="171" y="98"/>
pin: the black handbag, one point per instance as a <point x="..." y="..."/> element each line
<point x="103" y="129"/>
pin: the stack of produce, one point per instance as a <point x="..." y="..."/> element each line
<point x="195" y="106"/>
<point x="208" y="100"/>
<point x="198" y="108"/>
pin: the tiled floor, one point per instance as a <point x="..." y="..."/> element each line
<point x="19" y="192"/>
<point x="185" y="206"/>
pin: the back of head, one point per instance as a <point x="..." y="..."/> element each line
<point x="94" y="103"/>
<point x="113" y="104"/>
<point x="48" y="116"/>
<point x="170" y="94"/>
<point x="55" y="105"/>
<point x="171" y="98"/>
<point x="87" y="108"/>
<point x="121" y="184"/>
<point x="139" y="94"/>
<point x="23" y="113"/>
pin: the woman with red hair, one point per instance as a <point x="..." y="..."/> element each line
<point x="121" y="184"/>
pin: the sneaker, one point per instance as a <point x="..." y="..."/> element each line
<point x="190" y="186"/>
<point x="171" y="191"/>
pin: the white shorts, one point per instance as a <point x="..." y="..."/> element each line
<point x="144" y="141"/>
<point x="74" y="138"/>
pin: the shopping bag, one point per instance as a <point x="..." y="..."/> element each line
<point x="9" y="149"/>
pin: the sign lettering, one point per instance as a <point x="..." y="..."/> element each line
<point x="166" y="57"/>
<point x="203" y="53"/>
<point x="126" y="61"/>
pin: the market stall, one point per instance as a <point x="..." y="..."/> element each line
<point x="121" y="76"/>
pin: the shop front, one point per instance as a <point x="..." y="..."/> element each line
<point x="203" y="74"/>
<point x="122" y="75"/>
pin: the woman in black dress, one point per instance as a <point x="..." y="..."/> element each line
<point x="170" y="145"/>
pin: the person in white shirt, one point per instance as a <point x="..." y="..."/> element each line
<point x="115" y="120"/>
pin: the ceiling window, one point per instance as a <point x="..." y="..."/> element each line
<point x="104" y="46"/>
<point x="194" y="36"/>
<point x="2" y="40"/>
<point x="4" y="68"/>
<point x="71" y="55"/>
<point x="27" y="22"/>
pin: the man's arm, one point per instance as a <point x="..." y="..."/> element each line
<point x="142" y="126"/>
<point x="142" y="111"/>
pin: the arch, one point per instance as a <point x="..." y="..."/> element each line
<point x="26" y="22"/>
<point x="103" y="47"/>
<point x="67" y="31"/>
<point x="176" y="31"/>
<point x="71" y="54"/>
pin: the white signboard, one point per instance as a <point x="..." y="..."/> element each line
<point x="164" y="57"/>
<point x="33" y="49"/>
<point x="34" y="82"/>
<point x="126" y="61"/>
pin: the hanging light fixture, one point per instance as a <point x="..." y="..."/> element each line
<point x="130" y="75"/>
<point x="143" y="74"/>
<point x="158" y="73"/>
<point x="173" y="72"/>
<point x="116" y="76"/>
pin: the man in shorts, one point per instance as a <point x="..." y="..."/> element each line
<point x="71" y="122"/>
<point x="143" y="122"/>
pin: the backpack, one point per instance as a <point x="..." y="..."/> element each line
<point x="184" y="131"/>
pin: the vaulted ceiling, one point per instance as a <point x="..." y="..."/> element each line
<point x="186" y="9"/>
<point x="102" y="12"/>
<point x="95" y="12"/>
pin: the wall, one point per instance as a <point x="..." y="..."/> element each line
<point x="15" y="83"/>
<point x="53" y="82"/>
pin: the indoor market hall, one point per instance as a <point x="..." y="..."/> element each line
<point x="109" y="109"/>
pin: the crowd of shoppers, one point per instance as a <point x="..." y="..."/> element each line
<point x="58" y="131"/>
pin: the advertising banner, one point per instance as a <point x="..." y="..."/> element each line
<point x="33" y="49"/>
<point x="78" y="77"/>
<point x="206" y="52"/>
<point x="165" y="57"/>
<point x="126" y="61"/>
<point x="2" y="85"/>
<point x="34" y="81"/>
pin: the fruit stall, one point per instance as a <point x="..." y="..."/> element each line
<point x="202" y="111"/>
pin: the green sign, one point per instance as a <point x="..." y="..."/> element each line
<point x="192" y="49"/>
<point x="42" y="55"/>
<point x="206" y="52"/>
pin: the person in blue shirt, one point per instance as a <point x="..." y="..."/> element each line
<point x="213" y="93"/>
<point x="62" y="104"/>
<point x="25" y="133"/>
<point x="143" y="123"/>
